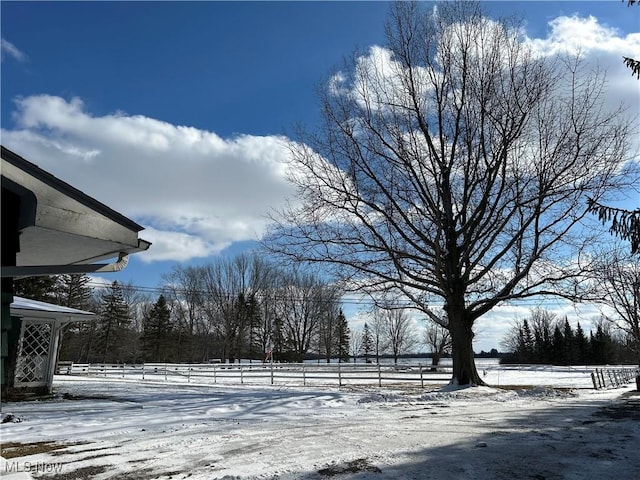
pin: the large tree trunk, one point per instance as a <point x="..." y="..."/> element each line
<point x="464" y="365"/>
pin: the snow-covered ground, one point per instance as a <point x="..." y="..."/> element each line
<point x="118" y="429"/>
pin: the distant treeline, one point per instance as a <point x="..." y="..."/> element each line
<point x="544" y="339"/>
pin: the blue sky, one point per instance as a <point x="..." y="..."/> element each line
<point x="172" y="112"/>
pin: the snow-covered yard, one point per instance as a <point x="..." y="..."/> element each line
<point x="119" y="429"/>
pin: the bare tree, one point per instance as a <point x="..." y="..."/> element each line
<point x="378" y="332"/>
<point x="453" y="166"/>
<point x="231" y="286"/>
<point x="399" y="331"/>
<point x="355" y="344"/>
<point x="437" y="338"/>
<point x="619" y="279"/>
<point x="184" y="290"/>
<point x="328" y="341"/>
<point x="268" y="304"/>
<point x="304" y="299"/>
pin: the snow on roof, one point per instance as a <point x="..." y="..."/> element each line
<point x="26" y="306"/>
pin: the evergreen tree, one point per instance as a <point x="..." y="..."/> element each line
<point x="569" y="355"/>
<point x="602" y="346"/>
<point x="254" y="321"/>
<point x="241" y="333"/>
<point x="543" y="344"/>
<point x="558" y="346"/>
<point x="342" y="337"/>
<point x="367" y="342"/>
<point x="527" y="344"/>
<point x="41" y="288"/>
<point x="581" y="343"/>
<point x="280" y="346"/>
<point x="74" y="291"/>
<point x="157" y="332"/>
<point x="327" y="332"/>
<point x="114" y="335"/>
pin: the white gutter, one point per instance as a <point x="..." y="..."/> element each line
<point x="44" y="270"/>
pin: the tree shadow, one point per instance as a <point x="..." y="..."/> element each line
<point x="592" y="440"/>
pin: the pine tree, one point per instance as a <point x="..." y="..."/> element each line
<point x="602" y="347"/>
<point x="527" y="343"/>
<point x="74" y="291"/>
<point x="254" y="320"/>
<point x="65" y="290"/>
<point x="581" y="346"/>
<point x="367" y="342"/>
<point x="113" y="335"/>
<point x="327" y="331"/>
<point x="569" y="356"/>
<point x="42" y="288"/>
<point x="157" y="332"/>
<point x="280" y="346"/>
<point x="342" y="337"/>
<point x="558" y="346"/>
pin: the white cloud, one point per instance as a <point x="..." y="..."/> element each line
<point x="577" y="34"/>
<point x="8" y="48"/>
<point x="196" y="192"/>
<point x="601" y="47"/>
<point x="179" y="246"/>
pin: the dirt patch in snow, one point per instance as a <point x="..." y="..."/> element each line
<point x="627" y="408"/>
<point x="84" y="473"/>
<point x="354" y="466"/>
<point x="71" y="396"/>
<point x="16" y="449"/>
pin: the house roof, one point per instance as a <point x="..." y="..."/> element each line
<point x="23" y="307"/>
<point x="60" y="225"/>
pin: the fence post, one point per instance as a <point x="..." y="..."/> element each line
<point x="215" y="367"/>
<point x="124" y="366"/>
<point x="339" y="374"/>
<point x="271" y="372"/>
<point x="379" y="375"/>
<point x="304" y="376"/>
<point x="143" y="371"/>
<point x="421" y="377"/>
<point x="165" y="372"/>
<point x="189" y="374"/>
<point x="241" y="377"/>
<point x="593" y="379"/>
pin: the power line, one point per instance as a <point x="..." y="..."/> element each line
<point x="345" y="300"/>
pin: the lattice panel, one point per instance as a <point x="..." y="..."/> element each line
<point x="33" y="355"/>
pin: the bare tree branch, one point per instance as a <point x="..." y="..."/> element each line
<point x="453" y="166"/>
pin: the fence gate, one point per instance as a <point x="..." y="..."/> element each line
<point x="34" y="353"/>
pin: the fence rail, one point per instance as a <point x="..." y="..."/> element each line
<point x="325" y="374"/>
<point x="272" y="373"/>
<point x="613" y="377"/>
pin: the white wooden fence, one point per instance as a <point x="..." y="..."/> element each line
<point x="271" y="373"/>
<point x="613" y="377"/>
<point x="330" y="374"/>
